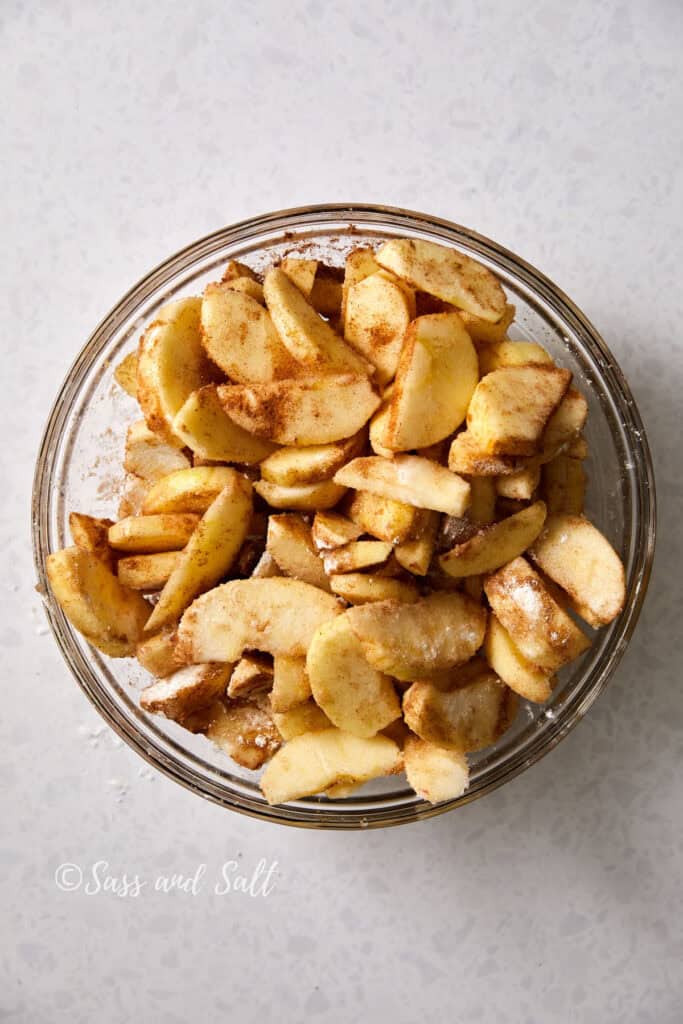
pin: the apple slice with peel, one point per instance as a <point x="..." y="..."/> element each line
<point x="436" y="774"/>
<point x="445" y="273"/>
<point x="316" y="761"/>
<point x="171" y="364"/>
<point x="437" y="373"/>
<point x="275" y="615"/>
<point x="408" y="478"/>
<point x="411" y="641"/>
<point x="310" y="339"/>
<point x="580" y="559"/>
<point x="210" y="552"/>
<point x="302" y="413"/>
<point x="110" y="616"/>
<point x="494" y="545"/>
<point x="355" y="696"/>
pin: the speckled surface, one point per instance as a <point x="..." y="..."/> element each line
<point x="131" y="129"/>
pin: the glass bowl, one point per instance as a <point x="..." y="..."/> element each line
<point x="79" y="468"/>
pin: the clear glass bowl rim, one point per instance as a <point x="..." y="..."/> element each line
<point x="333" y="815"/>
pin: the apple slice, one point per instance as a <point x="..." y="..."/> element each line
<point x="580" y="559"/>
<point x="149" y="456"/>
<point x="466" y="718"/>
<point x="147" y="572"/>
<point x="355" y="696"/>
<point x="302" y="413"/>
<point x="508" y="662"/>
<point x="245" y="730"/>
<point x="146" y="534"/>
<point x="361" y="588"/>
<point x="310" y="339"/>
<point x="484" y="333"/>
<point x="276" y="615"/>
<point x="333" y="530"/>
<point x="510" y="407"/>
<point x="359" y="554"/>
<point x="210" y="552"/>
<point x="110" y="616"/>
<point x="378" y="311"/>
<point x="204" y="426"/>
<point x="239" y="336"/>
<point x="445" y="273"/>
<point x="188" y="490"/>
<point x="436" y="377"/>
<point x="157" y="653"/>
<point x="511" y="353"/>
<point x="544" y="633"/>
<point x="411" y="641"/>
<point x="410" y="479"/>
<point x="291" y="545"/>
<point x="314" y="762"/>
<point x="91" y="534"/>
<point x="290" y="467"/>
<point x="171" y="364"/>
<point x="384" y="518"/>
<point x="467" y="456"/>
<point x="304" y="497"/>
<point x="436" y="774"/>
<point x="126" y="374"/>
<point x="494" y="545"/>
<point x="303" y="718"/>
<point x="188" y="690"/>
<point x="291" y="685"/>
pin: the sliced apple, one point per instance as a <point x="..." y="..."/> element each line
<point x="210" y="552"/>
<point x="415" y="554"/>
<point x="544" y="633"/>
<point x="171" y="364"/>
<point x="361" y="588"/>
<point x="436" y="774"/>
<point x="204" y="426"/>
<point x="110" y="616"/>
<point x="511" y="407"/>
<point x="291" y="685"/>
<point x="188" y="490"/>
<point x="147" y="572"/>
<point x="384" y="518"/>
<point x="494" y="545"/>
<point x="355" y="696"/>
<point x="149" y="456"/>
<point x="302" y="718"/>
<point x="146" y="534"/>
<point x="465" y="718"/>
<point x="301" y="273"/>
<point x="485" y="333"/>
<point x="304" y="497"/>
<point x="360" y="263"/>
<point x="378" y="311"/>
<point x="245" y="285"/>
<point x="314" y="762"/>
<point x="411" y="641"/>
<point x="245" y="730"/>
<point x="91" y="534"/>
<point x="410" y="479"/>
<point x="447" y="274"/>
<point x="437" y="374"/>
<point x="508" y="662"/>
<point x="467" y="456"/>
<point x="359" y="554"/>
<point x="565" y="425"/>
<point x="510" y="353"/>
<point x="187" y="691"/>
<point x="580" y="559"/>
<point x="157" y="653"/>
<point x="310" y="339"/>
<point x="239" y="336"/>
<point x="302" y="413"/>
<point x="332" y="530"/>
<point x="253" y="674"/>
<point x="290" y="467"/>
<point x="520" y="486"/>
<point x="277" y="615"/>
<point x="291" y="545"/>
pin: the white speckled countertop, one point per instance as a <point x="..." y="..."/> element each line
<point x="131" y="129"/>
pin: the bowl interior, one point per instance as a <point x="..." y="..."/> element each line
<point x="79" y="468"/>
